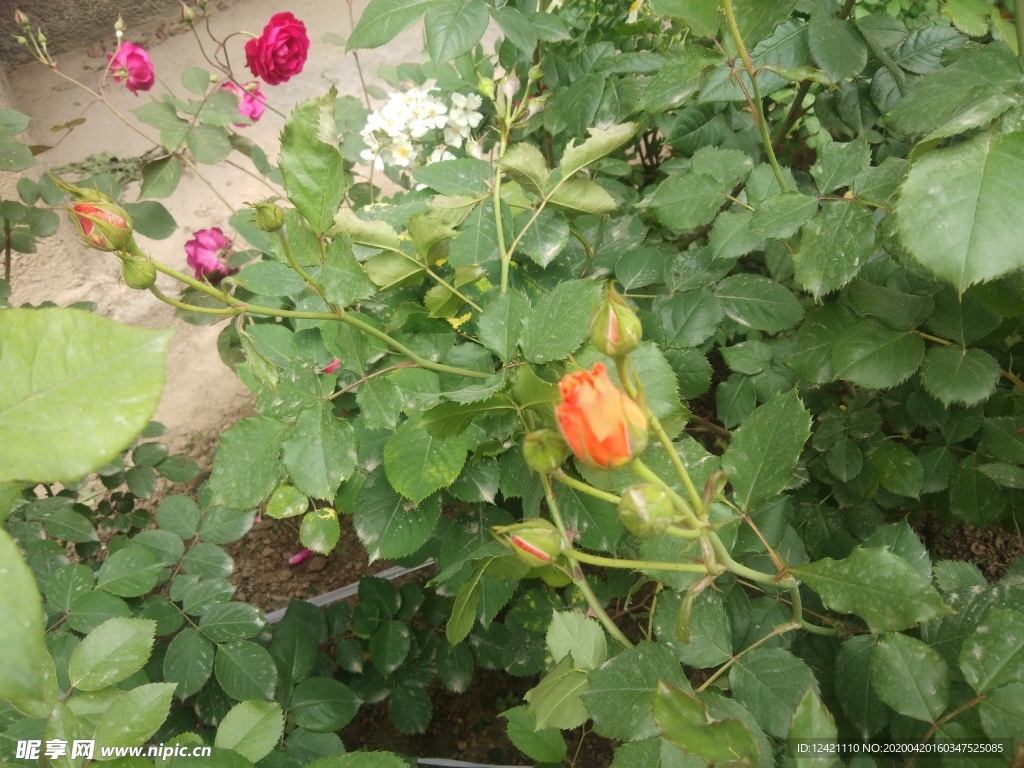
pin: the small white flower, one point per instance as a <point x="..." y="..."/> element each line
<point x="403" y="153"/>
<point x="453" y="135"/>
<point x="634" y="11"/>
<point x="555" y="5"/>
<point x="440" y="153"/>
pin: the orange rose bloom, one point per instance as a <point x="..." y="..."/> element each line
<point x="604" y="428"/>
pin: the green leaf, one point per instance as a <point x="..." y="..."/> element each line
<point x="546" y="745"/>
<point x="780" y="216"/>
<point x="971" y="189"/>
<point x="602" y="142"/>
<point x="68" y="583"/>
<point x="14" y="156"/>
<point x="114" y="650"/>
<point x="208" y="561"/>
<point x="581" y="195"/>
<point x="320" y="530"/>
<point x="311" y="161"/>
<point x="389" y="646"/>
<point x="1002" y="711"/>
<point x="516" y="27"/>
<point x="467" y="177"/>
<point x="922" y="50"/>
<point x="467" y="597"/>
<point x="247" y="465"/>
<point x="731" y="237"/>
<point x="679" y="79"/>
<point x="710" y="634"/>
<point x="209" y="143"/>
<point x="498" y="326"/>
<point x="545" y="238"/>
<point x="763" y="453"/>
<point x="757" y="18"/>
<point x="684" y="720"/>
<point x="853" y="688"/>
<point x="418" y="464"/>
<point x="231" y="621"/>
<point x="376" y="234"/>
<point x="812" y="721"/>
<point x="179" y="515"/>
<point x="344" y="281"/>
<point x="245" y="671"/>
<point x="285" y="501"/>
<point x="560" y="321"/>
<point x="382" y="20"/>
<point x="129" y="572"/>
<point x="910" y="677"/>
<point x="957" y="375"/>
<point x="834" y="246"/>
<point x="189" y="661"/>
<point x="685" y="201"/>
<point x="880" y="587"/>
<point x="874" y="357"/>
<point x="323" y="705"/>
<point x="994" y="655"/>
<point x="388" y="525"/>
<point x="571" y="633"/>
<point x="270" y="278"/>
<point x="135" y="715"/>
<point x="555" y="700"/>
<point x="838" y="164"/>
<point x="893" y="308"/>
<point x="453" y="27"/>
<point x="24" y="659"/>
<point x="898" y="469"/>
<point x="70" y="372"/>
<point x="759" y="302"/>
<point x="620" y="694"/>
<point x="319" y="452"/>
<point x="900" y="539"/>
<point x="160" y="178"/>
<point x="224" y="526"/>
<point x="525" y="165"/>
<point x="837" y="47"/>
<point x="251" y="728"/>
<point x="690" y="318"/>
<point x="770" y="682"/>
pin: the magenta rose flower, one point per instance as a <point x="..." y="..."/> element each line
<point x="132" y="65"/>
<point x="280" y="52"/>
<point x="250" y="100"/>
<point x="207" y="253"/>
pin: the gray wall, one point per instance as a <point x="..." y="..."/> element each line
<point x="76" y="23"/>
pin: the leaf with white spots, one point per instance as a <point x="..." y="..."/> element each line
<point x="994" y="655"/>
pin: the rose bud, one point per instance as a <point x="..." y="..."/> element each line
<point x="21" y="19"/>
<point x="485" y="87"/>
<point x="544" y="450"/>
<point x="103" y="225"/>
<point x="615" y="330"/>
<point x="646" y="510"/>
<point x="603" y="427"/>
<point x="268" y="215"/>
<point x="535" y="541"/>
<point x="138" y="271"/>
<point x="188" y="15"/>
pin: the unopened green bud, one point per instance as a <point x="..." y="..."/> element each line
<point x="21" y="40"/>
<point x="535" y="73"/>
<point x="138" y="272"/>
<point x="544" y="450"/>
<point x="21" y="19"/>
<point x="615" y="330"/>
<point x="646" y="510"/>
<point x="267" y="215"/>
<point x="486" y="87"/>
<point x="41" y="38"/>
<point x="714" y="487"/>
<point x="535" y="541"/>
<point x="187" y="15"/>
<point x="119" y="26"/>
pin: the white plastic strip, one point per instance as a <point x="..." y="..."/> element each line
<point x="459" y="763"/>
<point x="395" y="572"/>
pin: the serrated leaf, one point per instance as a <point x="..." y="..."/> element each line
<point x="686" y="201"/>
<point x="880" y="587"/>
<point x="320" y="530"/>
<point x="710" y="633"/>
<point x="343" y="280"/>
<point x="311" y="162"/>
<point x="602" y="142"/>
<point x="323" y="705"/>
<point x="837" y="164"/>
<point x="677" y="80"/>
<point x="245" y="671"/>
<point x="389" y="646"/>
<point x="571" y="634"/>
<point x="376" y="234"/>
<point x="388" y="525"/>
<point x="970" y="190"/>
<point x="812" y="721"/>
<point x="910" y="677"/>
<point x="582" y="195"/>
<point x="247" y="465"/>
<point x="129" y="572"/>
<point x="498" y="326"/>
<point x="319" y="452"/>
<point x="382" y="20"/>
<point x="758" y="302"/>
<point x="684" y="720"/>
<point x="836" y="46"/>
<point x="545" y="745"/>
<point x="560" y="321"/>
<point x="555" y="700"/>
<point x="994" y="655"/>
<point x="160" y="178"/>
<point x="114" y="650"/>
<point x="418" y="464"/>
<point x="545" y="238"/>
<point x="251" y="728"/>
<point x="874" y="357"/>
<point x="188" y="662"/>
<point x="526" y="166"/>
<point x="68" y="369"/>
<point x="24" y="659"/>
<point x="764" y="451"/>
<point x="922" y="50"/>
<point x="853" y="686"/>
<point x="135" y="715"/>
<point x="467" y="177"/>
<point x="453" y="27"/>
<point x="780" y="216"/>
<point x="834" y="246"/>
<point x="179" y="515"/>
<point x="898" y="469"/>
<point x="231" y="621"/>
<point x="957" y="375"/>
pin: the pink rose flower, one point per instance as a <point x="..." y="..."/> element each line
<point x="131" y="63"/>
<point x="207" y="251"/>
<point x="300" y="557"/>
<point x="332" y="366"/>
<point x="280" y="52"/>
<point x="250" y="100"/>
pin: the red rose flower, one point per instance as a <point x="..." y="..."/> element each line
<point x="280" y="52"/>
<point x="131" y="64"/>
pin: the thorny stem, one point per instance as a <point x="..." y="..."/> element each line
<point x="634" y="565"/>
<point x="192" y="307"/>
<point x="355" y="55"/>
<point x="506" y="256"/>
<point x="7" y="250"/>
<point x="942" y="721"/>
<point x="1019" y="21"/>
<point x="748" y="64"/>
<point x="576" y="574"/>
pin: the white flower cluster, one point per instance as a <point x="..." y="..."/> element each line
<point x="393" y="133"/>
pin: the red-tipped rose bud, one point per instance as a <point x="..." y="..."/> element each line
<point x="544" y="450"/>
<point x="103" y="225"/>
<point x="535" y="541"/>
<point x="21" y="19"/>
<point x="615" y="330"/>
<point x="646" y="510"/>
<point x="188" y="15"/>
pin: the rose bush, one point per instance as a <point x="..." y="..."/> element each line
<point x="809" y="372"/>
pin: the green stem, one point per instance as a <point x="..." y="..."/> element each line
<point x="315" y="285"/>
<point x="748" y="64"/>
<point x="741" y="570"/>
<point x="634" y="565"/>
<point x="506" y="256"/>
<point x="192" y="307"/>
<point x="679" y="502"/>
<point x="684" y="533"/>
<point x="577" y="574"/>
<point x="1019" y="21"/>
<point x="798" y="613"/>
<point x="572" y="482"/>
